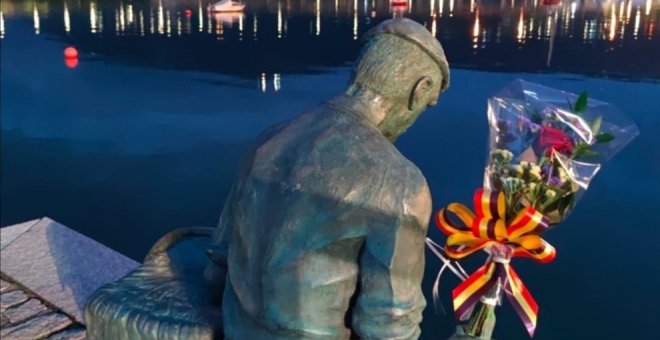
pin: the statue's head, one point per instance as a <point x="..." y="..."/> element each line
<point x="405" y="67"/>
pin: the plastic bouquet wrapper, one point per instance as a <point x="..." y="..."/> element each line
<point x="545" y="147"/>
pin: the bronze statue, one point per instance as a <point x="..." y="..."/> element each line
<point x="322" y="236"/>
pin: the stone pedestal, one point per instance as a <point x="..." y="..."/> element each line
<point x="48" y="272"/>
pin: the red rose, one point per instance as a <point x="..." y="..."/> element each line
<point x="555" y="139"/>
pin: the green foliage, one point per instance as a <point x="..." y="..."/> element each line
<point x="581" y="103"/>
<point x="566" y="203"/>
<point x="595" y="126"/>
<point x="604" y="137"/>
<point x="583" y="150"/>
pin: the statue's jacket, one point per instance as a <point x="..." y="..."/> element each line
<point x="323" y="234"/>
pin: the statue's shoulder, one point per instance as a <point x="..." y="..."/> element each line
<point x="341" y="144"/>
<point x="398" y="179"/>
<point x="362" y="143"/>
<point x="383" y="163"/>
<point x="396" y="166"/>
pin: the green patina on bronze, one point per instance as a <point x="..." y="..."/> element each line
<point x="322" y="236"/>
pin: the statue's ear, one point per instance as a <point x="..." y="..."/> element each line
<point x="419" y="93"/>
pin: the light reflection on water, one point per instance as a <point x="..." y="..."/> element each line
<point x="607" y="15"/>
<point x="495" y="29"/>
<point x="610" y="38"/>
<point x="2" y="25"/>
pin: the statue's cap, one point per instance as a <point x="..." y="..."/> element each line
<point x="416" y="33"/>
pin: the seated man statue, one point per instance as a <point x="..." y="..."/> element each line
<point x="323" y="234"/>
<point x="321" y="237"/>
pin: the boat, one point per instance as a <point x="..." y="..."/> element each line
<point x="228" y="17"/>
<point x="226" y="6"/>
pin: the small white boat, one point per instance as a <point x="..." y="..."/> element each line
<point x="225" y="6"/>
<point x="228" y="18"/>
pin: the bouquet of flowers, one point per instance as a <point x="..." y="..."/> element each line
<point x="546" y="146"/>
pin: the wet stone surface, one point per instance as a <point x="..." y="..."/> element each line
<point x="69" y="334"/>
<point x="6" y="287"/>
<point x="24" y="311"/>
<point x="36" y="327"/>
<point x="24" y="316"/>
<point x="65" y="268"/>
<point x="11" y="299"/>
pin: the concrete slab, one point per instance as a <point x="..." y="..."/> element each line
<point x="11" y="299"/>
<point x="60" y="265"/>
<point x="9" y="234"/>
<point x="69" y="334"/>
<point x="6" y="287"/>
<point x="22" y="312"/>
<point x="36" y="328"/>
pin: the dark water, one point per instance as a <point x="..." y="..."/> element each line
<point x="143" y="135"/>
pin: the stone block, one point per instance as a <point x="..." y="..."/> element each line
<point x="32" y="307"/>
<point x="36" y="328"/>
<point x="12" y="299"/>
<point x="9" y="234"/>
<point x="60" y="265"/>
<point x="69" y="334"/>
<point x="6" y="287"/>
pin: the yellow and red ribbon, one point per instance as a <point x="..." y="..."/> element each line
<point x="486" y="228"/>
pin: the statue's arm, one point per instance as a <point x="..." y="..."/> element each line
<point x="216" y="270"/>
<point x="390" y="300"/>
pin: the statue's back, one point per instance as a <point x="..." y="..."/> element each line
<point x="300" y="214"/>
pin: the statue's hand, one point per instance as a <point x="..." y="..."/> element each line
<point x="215" y="274"/>
<point x="217" y="256"/>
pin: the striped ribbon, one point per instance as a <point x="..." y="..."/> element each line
<point x="486" y="228"/>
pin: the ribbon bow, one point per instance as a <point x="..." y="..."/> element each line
<point x="489" y="228"/>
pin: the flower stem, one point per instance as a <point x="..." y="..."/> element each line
<point x="482" y="323"/>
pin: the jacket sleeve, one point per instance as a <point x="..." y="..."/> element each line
<point x="216" y="269"/>
<point x="390" y="300"/>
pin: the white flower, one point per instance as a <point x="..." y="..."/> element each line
<point x="535" y="175"/>
<point x="575" y="186"/>
<point x="531" y="186"/>
<point x="502" y="155"/>
<point x="508" y="155"/>
<point x="550" y="193"/>
<point x="518" y="169"/>
<point x="524" y="164"/>
<point x="535" y="169"/>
